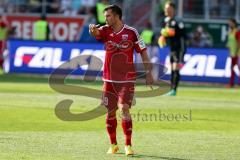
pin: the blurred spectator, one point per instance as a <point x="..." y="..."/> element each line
<point x="91" y="16"/>
<point x="99" y="8"/>
<point x="200" y="38"/>
<point x="214" y="8"/>
<point x="88" y="3"/>
<point x="4" y="30"/>
<point x="238" y="53"/>
<point x="70" y="7"/>
<point x="10" y="8"/>
<point x="41" y="29"/>
<point x="22" y="6"/>
<point x="38" y="6"/>
<point x="232" y="45"/>
<point x="35" y="6"/>
<point x="148" y="34"/>
<point x="86" y="6"/>
<point x="193" y="8"/>
<point x="222" y="8"/>
<point x="76" y="5"/>
<point x="226" y="8"/>
<point x="53" y="6"/>
<point x="66" y="4"/>
<point x="2" y="7"/>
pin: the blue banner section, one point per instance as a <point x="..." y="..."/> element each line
<point x="44" y="57"/>
<point x="201" y="65"/>
<point x="86" y="37"/>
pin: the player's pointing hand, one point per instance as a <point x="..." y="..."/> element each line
<point x="93" y="30"/>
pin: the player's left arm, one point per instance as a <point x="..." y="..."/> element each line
<point x="183" y="39"/>
<point x="141" y="48"/>
<point x="148" y="68"/>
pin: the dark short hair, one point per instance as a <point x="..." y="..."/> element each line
<point x="43" y="16"/>
<point x="115" y="9"/>
<point x="234" y="21"/>
<point x="171" y="4"/>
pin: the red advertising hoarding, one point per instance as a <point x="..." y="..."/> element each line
<point x="61" y="28"/>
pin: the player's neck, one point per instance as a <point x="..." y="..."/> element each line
<point x="118" y="26"/>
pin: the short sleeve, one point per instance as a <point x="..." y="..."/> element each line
<point x="103" y="33"/>
<point x="139" y="44"/>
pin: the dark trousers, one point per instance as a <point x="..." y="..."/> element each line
<point x="234" y="61"/>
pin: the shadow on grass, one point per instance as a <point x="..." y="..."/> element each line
<point x="29" y="78"/>
<point x="151" y="157"/>
<point x="23" y="78"/>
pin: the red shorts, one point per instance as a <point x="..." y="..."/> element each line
<point x="117" y="93"/>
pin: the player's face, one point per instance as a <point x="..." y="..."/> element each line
<point x="110" y="18"/>
<point x="169" y="11"/>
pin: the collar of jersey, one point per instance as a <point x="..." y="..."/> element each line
<point x="120" y="30"/>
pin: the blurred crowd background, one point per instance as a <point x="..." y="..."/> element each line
<point x="205" y="20"/>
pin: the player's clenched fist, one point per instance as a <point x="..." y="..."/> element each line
<point x="93" y="30"/>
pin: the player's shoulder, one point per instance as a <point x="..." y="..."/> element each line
<point x="170" y="21"/>
<point x="131" y="29"/>
<point x="174" y="22"/>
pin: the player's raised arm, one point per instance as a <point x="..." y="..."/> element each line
<point x="93" y="30"/>
<point x="148" y="67"/>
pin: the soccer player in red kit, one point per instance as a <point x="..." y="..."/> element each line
<point x="119" y="73"/>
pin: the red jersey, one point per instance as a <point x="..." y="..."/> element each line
<point x="3" y="23"/>
<point x="238" y="35"/>
<point x="120" y="46"/>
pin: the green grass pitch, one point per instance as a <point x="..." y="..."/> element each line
<point x="207" y="126"/>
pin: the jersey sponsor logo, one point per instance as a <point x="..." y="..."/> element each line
<point x="111" y="46"/>
<point x="124" y="37"/>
